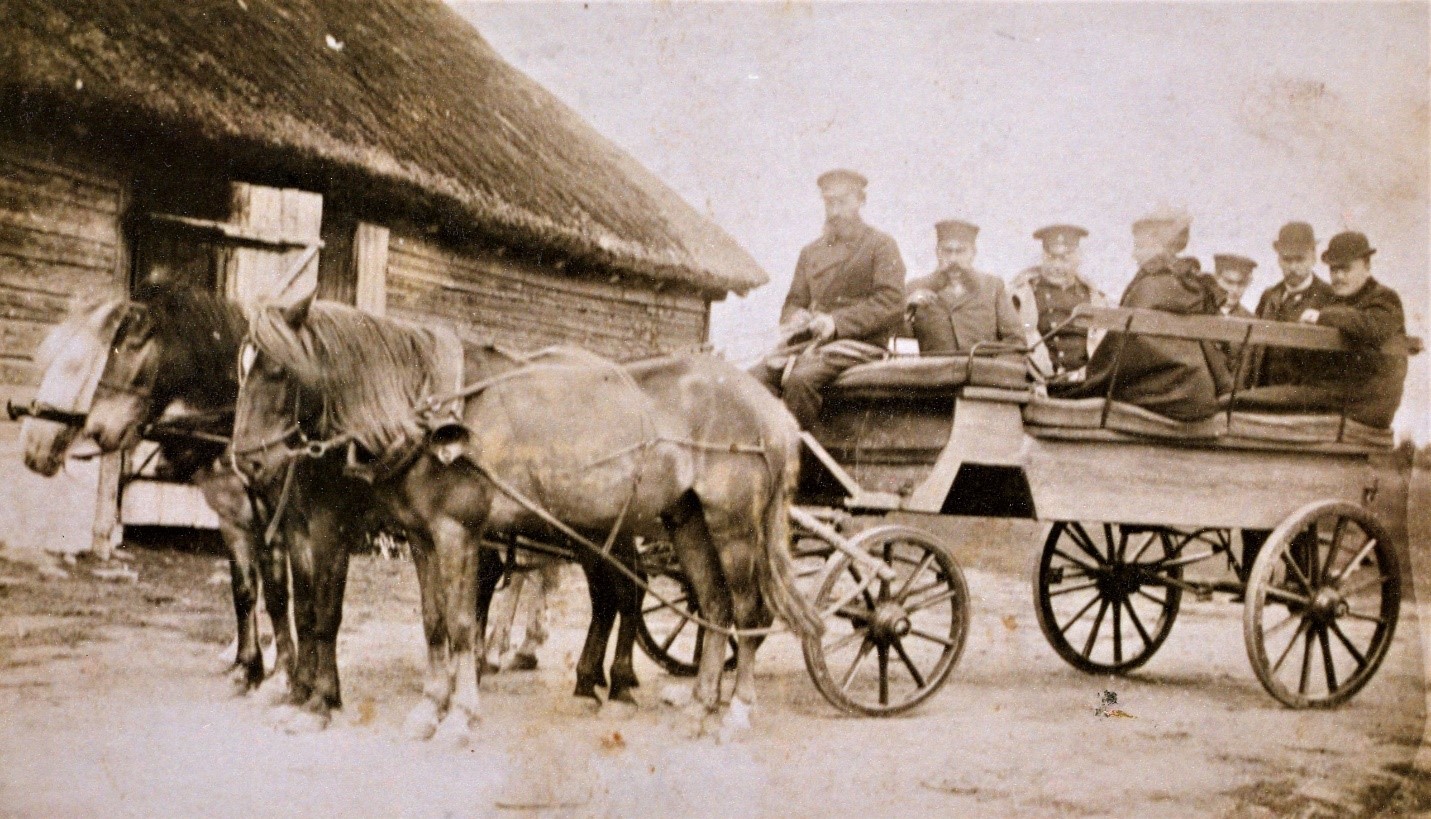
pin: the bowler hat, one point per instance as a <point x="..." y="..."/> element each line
<point x="1232" y="263"/>
<point x="955" y="229"/>
<point x="1060" y="238"/>
<point x="841" y="176"/>
<point x="1347" y="247"/>
<point x="1296" y="237"/>
<point x="1165" y="227"/>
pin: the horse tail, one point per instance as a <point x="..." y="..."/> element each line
<point x="777" y="572"/>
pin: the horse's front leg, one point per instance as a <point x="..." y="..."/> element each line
<point x="456" y="548"/>
<point x="273" y="569"/>
<point x="327" y="533"/>
<point x="422" y="720"/>
<point x="243" y="576"/>
<point x="589" y="672"/>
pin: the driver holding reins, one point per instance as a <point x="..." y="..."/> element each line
<point x="844" y="304"/>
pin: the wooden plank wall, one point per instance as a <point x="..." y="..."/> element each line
<point x="59" y="241"/>
<point x="488" y="298"/>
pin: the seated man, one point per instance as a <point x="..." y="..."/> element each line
<point x="1045" y="296"/>
<point x="1298" y="291"/>
<point x="1364" y="382"/>
<point x="1178" y="378"/>
<point x="844" y="301"/>
<point x="955" y="307"/>
<point x="1233" y="274"/>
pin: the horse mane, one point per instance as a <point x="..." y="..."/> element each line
<point x="92" y="317"/>
<point x="207" y="326"/>
<point x="371" y="372"/>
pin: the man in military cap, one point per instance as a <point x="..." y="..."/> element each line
<point x="1299" y="290"/>
<point x="1046" y="294"/>
<point x="1234" y="274"/>
<point x="956" y="307"/>
<point x="844" y="301"/>
<point x="1178" y="378"/>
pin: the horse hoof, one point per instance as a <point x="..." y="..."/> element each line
<point x="699" y="720"/>
<point x="523" y="662"/>
<point x="306" y="721"/>
<point x="455" y="729"/>
<point x="735" y="725"/>
<point x="421" y="722"/>
<point x="240" y="682"/>
<point x="489" y="667"/>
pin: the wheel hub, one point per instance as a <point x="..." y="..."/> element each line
<point x="1327" y="606"/>
<point x="1120" y="582"/>
<point x="889" y="623"/>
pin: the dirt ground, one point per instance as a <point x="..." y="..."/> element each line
<point x="113" y="703"/>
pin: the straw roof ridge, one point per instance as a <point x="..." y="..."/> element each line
<point x="403" y="92"/>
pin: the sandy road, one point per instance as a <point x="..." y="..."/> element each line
<point x="110" y="705"/>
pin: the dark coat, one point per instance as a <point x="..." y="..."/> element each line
<point x="1179" y="378"/>
<point x="1270" y="366"/>
<point x="1371" y="380"/>
<point x="858" y="280"/>
<point x="968" y="308"/>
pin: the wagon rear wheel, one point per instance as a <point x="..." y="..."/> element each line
<point x="1322" y="603"/>
<point x="890" y="644"/>
<point x="1103" y="597"/>
<point x="668" y="635"/>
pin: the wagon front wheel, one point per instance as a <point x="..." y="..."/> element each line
<point x="1107" y="594"/>
<point x="889" y="644"/>
<point x="1322" y="603"/>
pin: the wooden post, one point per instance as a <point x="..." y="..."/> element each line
<point x="370" y="260"/>
<point x="284" y="215"/>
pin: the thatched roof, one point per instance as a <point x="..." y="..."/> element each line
<point x="399" y="96"/>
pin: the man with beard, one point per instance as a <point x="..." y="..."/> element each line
<point x="1177" y="378"/>
<point x="957" y="307"/>
<point x="1045" y="296"/>
<point x="1298" y="292"/>
<point x="843" y="305"/>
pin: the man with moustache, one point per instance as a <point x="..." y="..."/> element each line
<point x="1300" y="290"/>
<point x="844" y="302"/>
<point x="956" y="307"/>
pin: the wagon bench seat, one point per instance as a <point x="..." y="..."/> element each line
<point x="1057" y="416"/>
<point x="925" y="376"/>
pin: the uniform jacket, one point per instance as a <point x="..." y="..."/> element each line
<point x="968" y="308"/>
<point x="859" y="280"/>
<point x="1179" y="378"/>
<point x="1044" y="306"/>
<point x="1372" y="380"/>
<point x="1270" y="366"/>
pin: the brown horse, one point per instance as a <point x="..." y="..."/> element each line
<point x="174" y="348"/>
<point x="563" y="436"/>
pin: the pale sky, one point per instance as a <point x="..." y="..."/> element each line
<point x="1012" y="116"/>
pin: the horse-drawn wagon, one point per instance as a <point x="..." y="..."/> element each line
<point x="1132" y="501"/>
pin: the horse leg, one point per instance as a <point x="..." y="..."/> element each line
<point x="243" y="575"/>
<point x="628" y="603"/>
<point x="456" y="548"/>
<point x="329" y="553"/>
<point x="301" y="566"/>
<point x="589" y="672"/>
<point x="695" y="551"/>
<point x="505" y="604"/>
<point x="273" y="570"/>
<point x="737" y="547"/>
<point x="422" y="720"/>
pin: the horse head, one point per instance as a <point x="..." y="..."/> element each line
<point x="74" y="356"/>
<point x="273" y="415"/>
<point x="173" y="344"/>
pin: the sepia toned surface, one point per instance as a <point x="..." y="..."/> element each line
<point x="113" y="696"/>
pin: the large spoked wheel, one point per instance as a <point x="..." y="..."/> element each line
<point x="668" y="635"/>
<point x="1104" y="598"/>
<point x="890" y="644"/>
<point x="1322" y="603"/>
